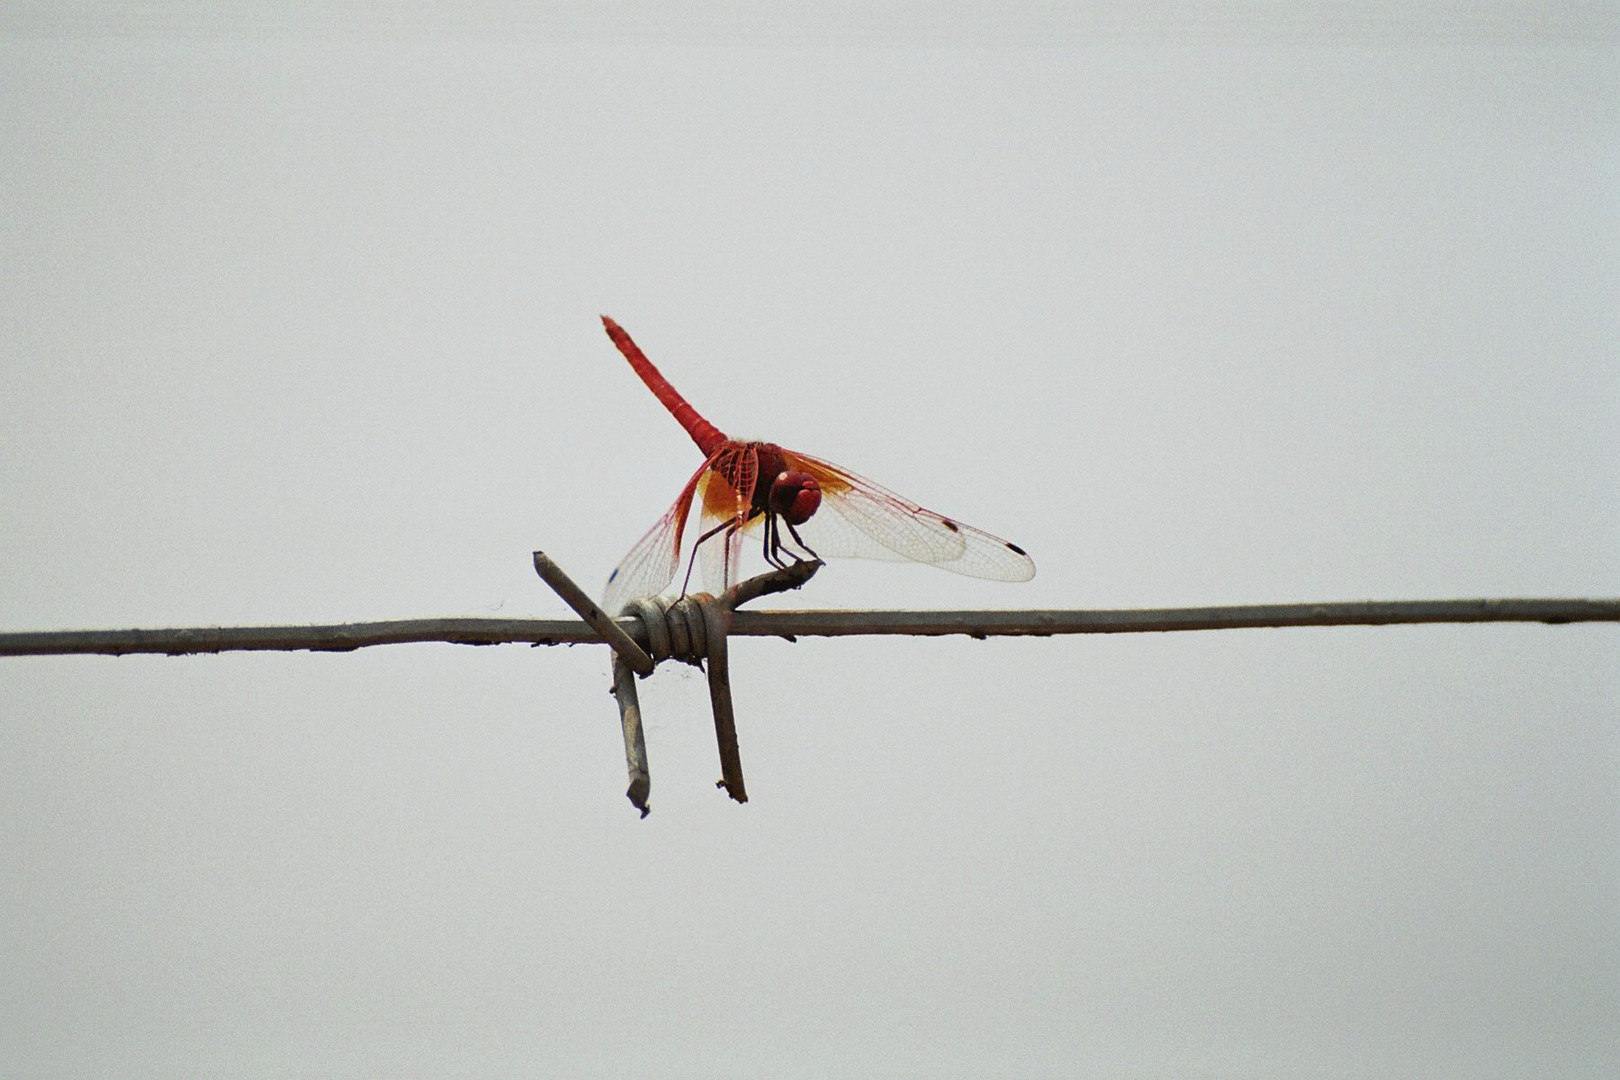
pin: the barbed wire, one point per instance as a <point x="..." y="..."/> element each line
<point x="695" y="629"/>
<point x="346" y="637"/>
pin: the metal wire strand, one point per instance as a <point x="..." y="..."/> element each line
<point x="344" y="637"/>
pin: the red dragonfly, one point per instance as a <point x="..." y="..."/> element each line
<point x="748" y="487"/>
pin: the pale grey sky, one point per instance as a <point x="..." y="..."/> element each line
<point x="299" y="321"/>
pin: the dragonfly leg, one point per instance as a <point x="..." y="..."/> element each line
<point x="773" y="542"/>
<point x="777" y="552"/>
<point x="797" y="539"/>
<point x="727" y="527"/>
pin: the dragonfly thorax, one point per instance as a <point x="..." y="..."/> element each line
<point x="791" y="494"/>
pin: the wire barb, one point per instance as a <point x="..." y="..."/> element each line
<point x="576" y="598"/>
<point x="635" y="741"/>
<point x="693" y="629"/>
<point x="717" y="614"/>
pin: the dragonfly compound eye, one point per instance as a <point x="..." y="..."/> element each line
<point x="796" y="496"/>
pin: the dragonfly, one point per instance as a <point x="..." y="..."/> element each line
<point x="800" y="506"/>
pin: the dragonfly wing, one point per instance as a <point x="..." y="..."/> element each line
<point x="721" y="557"/>
<point x="727" y="497"/>
<point x="650" y="566"/>
<point x="866" y="520"/>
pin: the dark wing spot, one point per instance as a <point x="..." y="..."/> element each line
<point x="1014" y="547"/>
<point x="613" y="575"/>
<point x="949" y="524"/>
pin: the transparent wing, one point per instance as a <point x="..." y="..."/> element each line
<point x="651" y="564"/>
<point x="720" y="556"/>
<point x="862" y="519"/>
<point x="728" y="495"/>
<point x="724" y="485"/>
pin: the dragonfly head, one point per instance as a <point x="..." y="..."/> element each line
<point x="795" y="495"/>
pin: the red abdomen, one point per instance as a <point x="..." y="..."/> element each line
<point x="706" y="435"/>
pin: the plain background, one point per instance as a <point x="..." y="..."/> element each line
<point x="1198" y="304"/>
